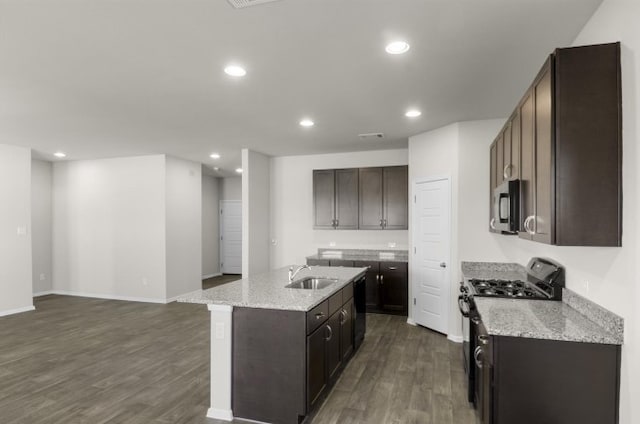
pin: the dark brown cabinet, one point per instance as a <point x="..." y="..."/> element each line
<point x="334" y="354"/>
<point x="347" y="329"/>
<point x="384" y="194"/>
<point x="316" y="365"/>
<point x="372" y="284"/>
<point x="335" y="199"/>
<point x="393" y="287"/>
<point x="340" y="262"/>
<point x="508" y="392"/>
<point x="318" y="262"/>
<point x="565" y="134"/>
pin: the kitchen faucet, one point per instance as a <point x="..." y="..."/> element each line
<point x="293" y="273"/>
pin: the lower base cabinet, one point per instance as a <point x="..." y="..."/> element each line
<point x="285" y="362"/>
<point x="533" y="381"/>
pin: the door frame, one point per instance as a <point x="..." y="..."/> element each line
<point x="221" y="230"/>
<point x="413" y="250"/>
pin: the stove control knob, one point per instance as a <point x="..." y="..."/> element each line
<point x="464" y="289"/>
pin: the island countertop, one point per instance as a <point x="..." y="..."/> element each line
<point x="267" y="290"/>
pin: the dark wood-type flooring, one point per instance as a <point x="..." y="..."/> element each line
<point x="219" y="280"/>
<point x="80" y="360"/>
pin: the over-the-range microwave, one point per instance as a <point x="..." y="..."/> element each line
<point x="506" y="207"/>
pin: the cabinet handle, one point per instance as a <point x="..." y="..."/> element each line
<point x="381" y="223"/>
<point x="527" y="225"/>
<point x="378" y="278"/>
<point x="343" y="314"/>
<point x="484" y="340"/>
<point x="475" y="320"/>
<point x="320" y="315"/>
<point x="393" y="268"/>
<point x="492" y="223"/>
<point x="382" y="279"/>
<point x="330" y="333"/>
<point x="476" y="356"/>
<point x="337" y="223"/>
<point x="507" y="171"/>
<point x="384" y="223"/>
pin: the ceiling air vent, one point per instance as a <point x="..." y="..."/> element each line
<point x="239" y="4"/>
<point x="371" y="136"/>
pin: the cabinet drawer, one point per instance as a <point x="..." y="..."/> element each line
<point x="335" y="302"/>
<point x="396" y="267"/>
<point x="317" y="316"/>
<point x="347" y="293"/>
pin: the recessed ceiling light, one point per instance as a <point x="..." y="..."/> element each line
<point x="412" y="113"/>
<point x="397" y="47"/>
<point x="307" y="123"/>
<point x="239" y="170"/>
<point x="59" y="155"/>
<point x="235" y="71"/>
<point x="214" y="156"/>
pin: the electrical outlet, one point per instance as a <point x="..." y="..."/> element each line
<point x="332" y="244"/>
<point x="391" y="244"/>
<point x="43" y="277"/>
<point x="145" y="282"/>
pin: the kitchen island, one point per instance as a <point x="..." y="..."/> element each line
<point x="276" y="351"/>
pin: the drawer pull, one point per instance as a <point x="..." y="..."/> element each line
<point x="393" y="268"/>
<point x="320" y="315"/>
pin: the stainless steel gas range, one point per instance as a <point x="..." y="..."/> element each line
<point x="544" y="280"/>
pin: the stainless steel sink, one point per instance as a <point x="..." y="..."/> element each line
<point x="311" y="283"/>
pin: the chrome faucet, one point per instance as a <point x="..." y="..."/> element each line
<point x="292" y="273"/>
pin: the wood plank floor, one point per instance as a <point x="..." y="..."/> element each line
<point x="219" y="280"/>
<point x="80" y="360"/>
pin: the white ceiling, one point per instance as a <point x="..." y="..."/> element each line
<point x="106" y="78"/>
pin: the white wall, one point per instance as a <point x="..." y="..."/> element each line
<point x="435" y="154"/>
<point x="292" y="206"/>
<point x="109" y="227"/>
<point x="255" y="212"/>
<point x="183" y="226"/>
<point x="230" y="188"/>
<point x="41" y="229"/>
<point x="15" y="214"/>
<point x="210" y="226"/>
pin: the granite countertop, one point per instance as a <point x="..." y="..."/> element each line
<point x="362" y="255"/>
<point x="267" y="290"/>
<point x="574" y="319"/>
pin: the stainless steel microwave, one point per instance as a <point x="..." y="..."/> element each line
<point x="506" y="207"/>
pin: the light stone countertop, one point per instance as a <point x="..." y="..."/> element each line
<point x="540" y="319"/>
<point x="371" y="255"/>
<point x="573" y="319"/>
<point x="267" y="290"/>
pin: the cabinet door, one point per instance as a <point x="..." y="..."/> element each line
<point x="323" y="199"/>
<point x="346" y="330"/>
<point x="372" y="285"/>
<point x="318" y="262"/>
<point x="492" y="183"/>
<point x="506" y="141"/>
<point x="334" y="355"/>
<point x="515" y="146"/>
<point x="543" y="224"/>
<point x="370" y="195"/>
<point x="395" y="197"/>
<point x="394" y="287"/>
<point x="346" y="199"/>
<point x="316" y="366"/>
<point x="527" y="177"/>
<point x="499" y="159"/>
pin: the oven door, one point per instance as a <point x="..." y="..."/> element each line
<point x="465" y="304"/>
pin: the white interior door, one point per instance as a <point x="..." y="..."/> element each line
<point x="431" y="240"/>
<point x="231" y="236"/>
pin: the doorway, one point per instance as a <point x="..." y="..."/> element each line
<point x="231" y="237"/>
<point x="431" y="239"/>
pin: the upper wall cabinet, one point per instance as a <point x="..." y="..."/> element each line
<point x="384" y="198"/>
<point x="567" y="129"/>
<point x="335" y="199"/>
<point x="365" y="198"/>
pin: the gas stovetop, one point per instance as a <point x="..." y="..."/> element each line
<point x="505" y="288"/>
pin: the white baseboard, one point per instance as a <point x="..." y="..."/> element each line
<point x="410" y="321"/>
<point x="217" y="274"/>
<point x="43" y="293"/>
<point x="17" y="311"/>
<point x="220" y="414"/>
<point x="455" y="339"/>
<point x="108" y="296"/>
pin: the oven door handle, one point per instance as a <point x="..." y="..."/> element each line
<point x="464" y="311"/>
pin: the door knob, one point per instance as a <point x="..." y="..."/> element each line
<point x="443" y="265"/>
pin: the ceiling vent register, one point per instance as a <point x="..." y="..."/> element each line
<point x="239" y="4"/>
